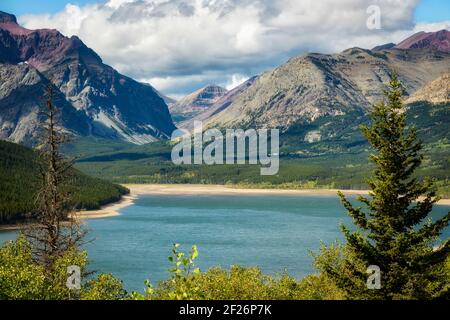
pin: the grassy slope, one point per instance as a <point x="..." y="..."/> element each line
<point x="339" y="161"/>
<point x="19" y="180"/>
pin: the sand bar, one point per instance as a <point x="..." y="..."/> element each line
<point x="109" y="210"/>
<point x="201" y="189"/>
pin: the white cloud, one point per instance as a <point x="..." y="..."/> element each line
<point x="235" y="80"/>
<point x="180" y="45"/>
<point x="117" y="3"/>
<point x="171" y="85"/>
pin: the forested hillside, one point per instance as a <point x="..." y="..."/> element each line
<point x="338" y="160"/>
<point x="19" y="182"/>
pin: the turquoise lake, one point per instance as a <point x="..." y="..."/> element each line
<point x="275" y="233"/>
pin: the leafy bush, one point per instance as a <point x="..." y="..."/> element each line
<point x="22" y="278"/>
<point x="104" y="287"/>
<point x="239" y="283"/>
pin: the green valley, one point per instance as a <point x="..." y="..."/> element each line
<point x="338" y="160"/>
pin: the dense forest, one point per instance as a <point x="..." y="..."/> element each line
<point x="20" y="180"/>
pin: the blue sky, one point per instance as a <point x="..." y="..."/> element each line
<point x="19" y="7"/>
<point x="427" y="11"/>
<point x="433" y="11"/>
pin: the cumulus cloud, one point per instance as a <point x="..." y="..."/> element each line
<point x="181" y="45"/>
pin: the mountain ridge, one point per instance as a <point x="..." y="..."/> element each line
<point x="220" y="104"/>
<point x="315" y="85"/>
<point x="439" y="40"/>
<point x="114" y="106"/>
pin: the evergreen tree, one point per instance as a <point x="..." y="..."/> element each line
<point x="393" y="230"/>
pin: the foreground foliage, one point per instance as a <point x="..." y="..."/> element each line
<point x="187" y="282"/>
<point x="22" y="278"/>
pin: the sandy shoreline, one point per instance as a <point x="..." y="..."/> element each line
<point x="109" y="210"/>
<point x="201" y="189"/>
<point x="196" y="189"/>
<point x="137" y="190"/>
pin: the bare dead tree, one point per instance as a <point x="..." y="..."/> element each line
<point x="57" y="229"/>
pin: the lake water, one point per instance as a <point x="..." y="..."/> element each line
<point x="275" y="233"/>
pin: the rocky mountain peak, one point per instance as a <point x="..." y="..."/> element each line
<point x="313" y="87"/>
<point x="98" y="97"/>
<point x="197" y="102"/>
<point x="206" y="94"/>
<point x="41" y="48"/>
<point x="9" y="23"/>
<point x="7" y="18"/>
<point x="219" y="105"/>
<point x="439" y="40"/>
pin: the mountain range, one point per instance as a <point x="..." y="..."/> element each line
<point x="432" y="40"/>
<point x="297" y="97"/>
<point x="94" y="99"/>
<point x="314" y="86"/>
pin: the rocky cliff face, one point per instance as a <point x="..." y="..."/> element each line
<point x="114" y="106"/>
<point x="21" y="100"/>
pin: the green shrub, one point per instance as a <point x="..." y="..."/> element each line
<point x="22" y="278"/>
<point x="104" y="287"/>
<point x="238" y="283"/>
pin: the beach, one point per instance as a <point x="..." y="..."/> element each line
<point x="202" y="189"/>
<point x="109" y="210"/>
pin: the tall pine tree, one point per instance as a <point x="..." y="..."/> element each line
<point x="393" y="231"/>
